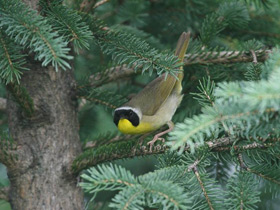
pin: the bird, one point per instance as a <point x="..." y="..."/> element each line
<point x="155" y="105"/>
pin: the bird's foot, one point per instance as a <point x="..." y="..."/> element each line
<point x="151" y="143"/>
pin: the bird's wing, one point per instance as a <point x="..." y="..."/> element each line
<point x="156" y="92"/>
<point x="153" y="95"/>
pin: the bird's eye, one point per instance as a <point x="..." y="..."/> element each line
<point x="130" y="113"/>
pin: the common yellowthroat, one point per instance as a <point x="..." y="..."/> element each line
<point x="156" y="104"/>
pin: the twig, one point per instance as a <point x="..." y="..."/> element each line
<point x="111" y="74"/>
<point x="241" y="162"/>
<point x="130" y="148"/>
<point x="242" y="165"/>
<point x="219" y="142"/>
<point x="138" y="147"/>
<point x="98" y="4"/>
<point x="223" y="57"/>
<point x="255" y="61"/>
<point x="194" y="168"/>
<point x="244" y="147"/>
<point x="91" y="144"/>
<point x="100" y="102"/>
<point x="263" y="176"/>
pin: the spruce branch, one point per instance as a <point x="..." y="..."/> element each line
<point x="206" y="124"/>
<point x="11" y="60"/>
<point x="208" y="58"/>
<point x="194" y="168"/>
<point x="113" y="177"/>
<point x="226" y="57"/>
<point x="239" y="107"/>
<point x="130" y="50"/>
<point x="129" y="199"/>
<point x="118" y="150"/>
<point x="239" y="148"/>
<point x="229" y="14"/>
<point x="102" y="97"/>
<point x="33" y="33"/>
<point x="242" y="191"/>
<point x="130" y="146"/>
<point x="110" y="75"/>
<point x="68" y="23"/>
<point x="264" y="176"/>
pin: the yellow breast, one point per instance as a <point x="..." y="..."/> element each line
<point x="126" y="127"/>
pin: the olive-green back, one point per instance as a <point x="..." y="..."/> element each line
<point x="156" y="92"/>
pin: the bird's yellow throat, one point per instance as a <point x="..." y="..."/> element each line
<point x="126" y="127"/>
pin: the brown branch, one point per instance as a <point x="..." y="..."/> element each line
<point x="98" y="4"/>
<point x="255" y="60"/>
<point x="98" y="101"/>
<point x="138" y="147"/>
<point x="201" y="184"/>
<point x="239" y="148"/>
<point x="263" y="176"/>
<point x="111" y="74"/>
<point x="243" y="165"/>
<point x="208" y="58"/>
<point x="225" y="57"/>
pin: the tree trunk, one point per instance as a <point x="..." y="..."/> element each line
<point x="47" y="142"/>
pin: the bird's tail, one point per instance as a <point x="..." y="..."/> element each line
<point x="181" y="48"/>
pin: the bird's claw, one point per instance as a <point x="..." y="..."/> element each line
<point x="151" y="143"/>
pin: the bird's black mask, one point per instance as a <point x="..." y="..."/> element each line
<point x="126" y="114"/>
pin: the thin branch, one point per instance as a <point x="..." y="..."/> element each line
<point x="100" y="102"/>
<point x="138" y="147"/>
<point x="91" y="144"/>
<point x="255" y="60"/>
<point x="98" y="4"/>
<point x="223" y="57"/>
<point x="202" y="186"/>
<point x="111" y="74"/>
<point x="239" y="148"/>
<point x="263" y="176"/>
<point x="243" y="165"/>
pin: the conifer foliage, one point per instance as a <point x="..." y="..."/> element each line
<point x="224" y="152"/>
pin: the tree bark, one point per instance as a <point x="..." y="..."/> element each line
<point x="47" y="143"/>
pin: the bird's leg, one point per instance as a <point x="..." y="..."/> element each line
<point x="157" y="136"/>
